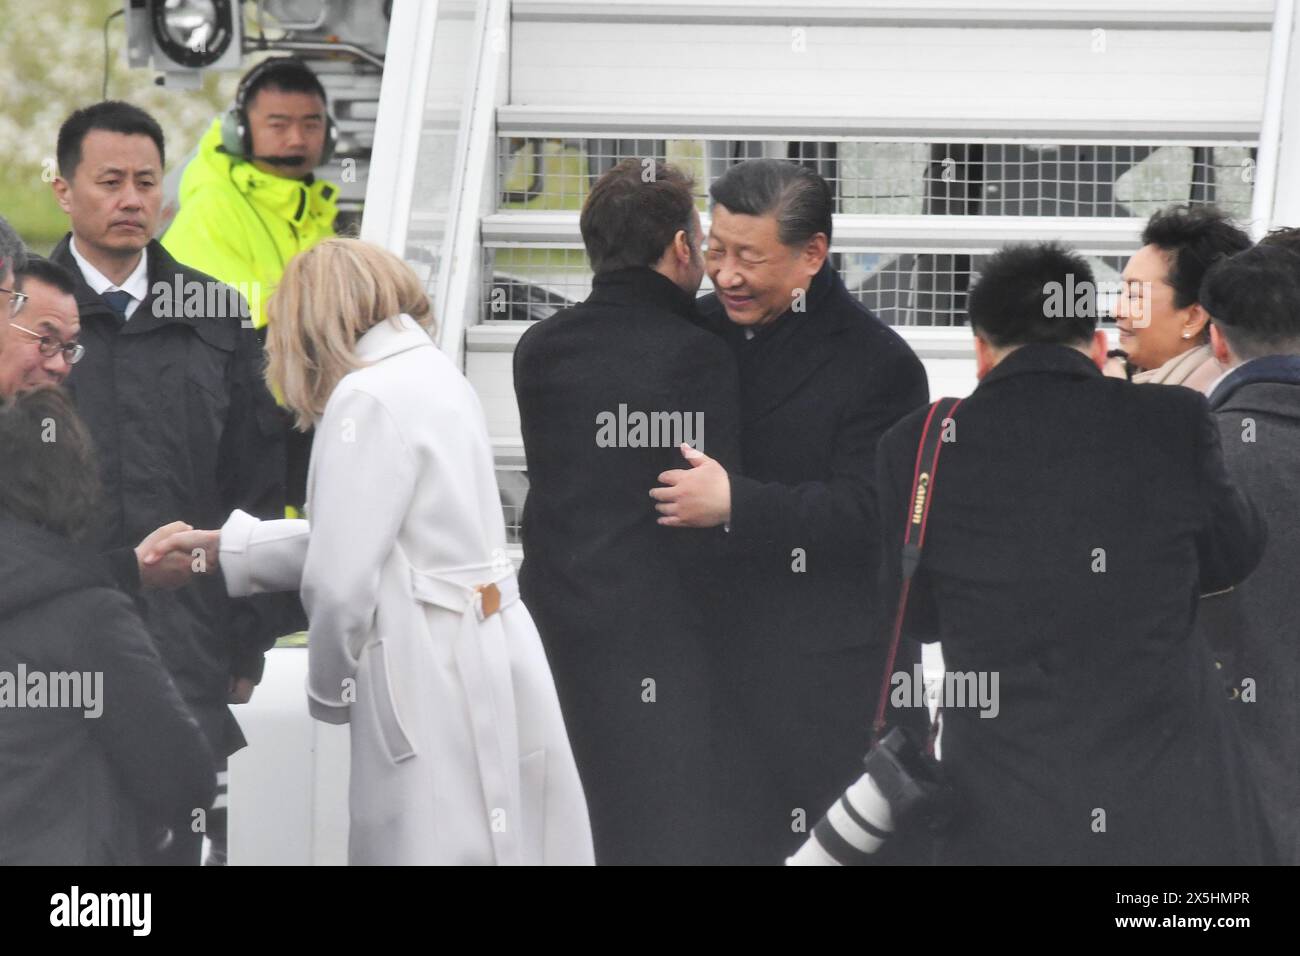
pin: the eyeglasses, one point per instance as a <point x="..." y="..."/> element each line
<point x="49" y="346"/>
<point x="16" y="301"/>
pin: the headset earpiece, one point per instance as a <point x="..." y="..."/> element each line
<point x="234" y="133"/>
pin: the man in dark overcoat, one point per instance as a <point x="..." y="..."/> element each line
<point x="1074" y="521"/>
<point x="821" y="380"/>
<point x="183" y="426"/>
<point x="608" y="390"/>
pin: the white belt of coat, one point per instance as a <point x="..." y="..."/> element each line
<point x="492" y="721"/>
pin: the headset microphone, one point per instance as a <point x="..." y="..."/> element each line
<point x="280" y="160"/>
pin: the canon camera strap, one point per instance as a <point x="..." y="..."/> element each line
<point x="918" y="513"/>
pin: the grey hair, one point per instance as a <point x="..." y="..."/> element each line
<point x="800" y="199"/>
<point x="13" y="254"/>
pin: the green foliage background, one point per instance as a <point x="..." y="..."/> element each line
<point x="51" y="63"/>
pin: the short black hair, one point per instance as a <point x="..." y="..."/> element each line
<point x="1254" y="300"/>
<point x="1038" y="293"/>
<point x="1193" y="237"/>
<point x="50" y="483"/>
<point x="285" y="73"/>
<point x="800" y="199"/>
<point x="114" y="116"/>
<point x="633" y="212"/>
<point x="51" y="273"/>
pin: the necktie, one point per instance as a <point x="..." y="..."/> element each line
<point x="118" y="301"/>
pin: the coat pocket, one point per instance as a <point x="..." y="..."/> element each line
<point x="395" y="739"/>
<point x="532" y="796"/>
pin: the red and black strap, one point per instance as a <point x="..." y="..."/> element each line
<point x="918" y="514"/>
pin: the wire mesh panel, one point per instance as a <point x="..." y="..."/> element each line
<point x="929" y="289"/>
<point x="552" y="174"/>
<point x="902" y="288"/>
<point x="526" y="283"/>
<point x="911" y="178"/>
<point x="1071" y="180"/>
<point x="868" y="178"/>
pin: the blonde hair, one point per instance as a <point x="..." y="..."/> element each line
<point x="328" y="297"/>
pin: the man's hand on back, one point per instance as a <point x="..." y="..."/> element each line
<point x="698" y="497"/>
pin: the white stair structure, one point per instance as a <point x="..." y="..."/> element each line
<point x="947" y="128"/>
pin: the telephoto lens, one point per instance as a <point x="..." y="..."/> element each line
<point x="902" y="782"/>
<point x="856" y="826"/>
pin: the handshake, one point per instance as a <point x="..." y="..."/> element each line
<point x="171" y="555"/>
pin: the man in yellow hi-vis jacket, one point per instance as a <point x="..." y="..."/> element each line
<point x="249" y="201"/>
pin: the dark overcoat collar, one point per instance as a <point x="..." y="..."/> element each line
<point x="1273" y="369"/>
<point x="1038" y="358"/>
<point x="641" y="286"/>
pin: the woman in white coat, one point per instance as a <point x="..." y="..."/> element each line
<point x="417" y="636"/>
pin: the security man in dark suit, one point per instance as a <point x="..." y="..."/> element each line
<point x="183" y="426"/>
<point x="821" y="380"/>
<point x="608" y="390"/>
<point x="1074" y="522"/>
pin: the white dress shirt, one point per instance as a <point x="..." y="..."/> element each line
<point x="136" y="284"/>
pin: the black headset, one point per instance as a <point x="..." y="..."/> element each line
<point x="237" y="135"/>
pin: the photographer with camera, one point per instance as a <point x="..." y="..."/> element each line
<point x="1074" y="523"/>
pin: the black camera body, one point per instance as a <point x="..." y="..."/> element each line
<point x="911" y="780"/>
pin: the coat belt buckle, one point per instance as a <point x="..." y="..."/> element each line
<point x="490" y="595"/>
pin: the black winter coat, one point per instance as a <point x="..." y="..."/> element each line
<point x="1074" y="522"/>
<point x="617" y="598"/>
<point x="803" y="649"/>
<point x="184" y="429"/>
<point x="1257" y="409"/>
<point x="77" y="789"/>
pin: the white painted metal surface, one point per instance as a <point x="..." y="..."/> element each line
<point x="996" y="78"/>
<point x="1283" y="72"/>
<point x="700" y="119"/>
<point x="288" y="787"/>
<point x="474" y="186"/>
<point x="397" y="124"/>
<point x="1286" y="200"/>
<point x="1162" y="14"/>
<point x="869" y="233"/>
